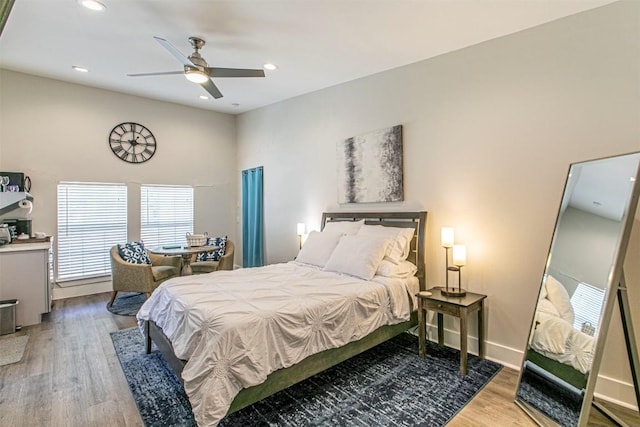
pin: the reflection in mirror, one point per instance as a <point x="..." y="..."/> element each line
<point x="558" y="374"/>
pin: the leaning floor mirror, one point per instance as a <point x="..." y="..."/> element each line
<point x="583" y="283"/>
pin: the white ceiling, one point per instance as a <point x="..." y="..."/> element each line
<point x="603" y="187"/>
<point x="316" y="43"/>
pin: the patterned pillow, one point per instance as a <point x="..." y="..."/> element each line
<point x="134" y="253"/>
<point x="220" y="242"/>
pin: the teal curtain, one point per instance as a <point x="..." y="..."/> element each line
<point x="252" y="218"/>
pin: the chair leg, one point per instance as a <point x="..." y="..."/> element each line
<point x="113" y="298"/>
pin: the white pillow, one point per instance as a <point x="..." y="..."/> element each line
<point x="358" y="256"/>
<point x="318" y="248"/>
<point x="398" y="249"/>
<point x="557" y="294"/>
<point x="547" y="307"/>
<point x="551" y="334"/>
<point x="346" y="228"/>
<point x="402" y="270"/>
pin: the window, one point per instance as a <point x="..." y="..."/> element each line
<point x="91" y="219"/>
<point x="587" y="303"/>
<point x="166" y="214"/>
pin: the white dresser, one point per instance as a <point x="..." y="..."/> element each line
<point x="25" y="276"/>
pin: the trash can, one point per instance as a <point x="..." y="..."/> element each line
<point x="8" y="316"/>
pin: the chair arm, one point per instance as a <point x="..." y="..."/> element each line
<point x="170" y="260"/>
<point x="226" y="261"/>
<point x="126" y="275"/>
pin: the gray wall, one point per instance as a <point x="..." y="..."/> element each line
<point x="583" y="249"/>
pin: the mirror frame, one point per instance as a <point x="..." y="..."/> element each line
<point x="615" y="283"/>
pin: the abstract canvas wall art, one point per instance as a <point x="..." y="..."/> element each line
<point x="370" y="167"/>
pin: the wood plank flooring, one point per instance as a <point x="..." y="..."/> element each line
<point x="70" y="376"/>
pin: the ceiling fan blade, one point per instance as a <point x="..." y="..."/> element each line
<point x="161" y="73"/>
<point x="210" y="87"/>
<point x="234" y="72"/>
<point x="175" y="52"/>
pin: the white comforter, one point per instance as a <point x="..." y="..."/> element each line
<point x="236" y="327"/>
<point x="557" y="339"/>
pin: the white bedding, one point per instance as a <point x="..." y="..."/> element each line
<point x="557" y="339"/>
<point x="236" y="327"/>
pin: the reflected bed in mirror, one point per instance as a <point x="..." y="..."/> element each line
<point x="578" y="290"/>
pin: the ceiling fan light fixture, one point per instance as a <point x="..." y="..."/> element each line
<point x="92" y="4"/>
<point x="194" y="75"/>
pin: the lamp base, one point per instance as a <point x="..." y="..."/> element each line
<point x="453" y="292"/>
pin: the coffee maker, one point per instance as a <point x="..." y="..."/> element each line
<point x="18" y="227"/>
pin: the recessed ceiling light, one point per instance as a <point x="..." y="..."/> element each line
<point x="80" y="69"/>
<point x="204" y="97"/>
<point x="269" y="66"/>
<point x="92" y="4"/>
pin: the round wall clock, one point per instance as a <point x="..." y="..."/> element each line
<point x="132" y="142"/>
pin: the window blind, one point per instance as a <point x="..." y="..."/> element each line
<point x="166" y="214"/>
<point x="91" y="219"/>
<point x="587" y="304"/>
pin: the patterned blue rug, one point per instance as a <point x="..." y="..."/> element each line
<point x="388" y="385"/>
<point x="127" y="303"/>
<point x="561" y="405"/>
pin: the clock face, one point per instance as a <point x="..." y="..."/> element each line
<point x="132" y="142"/>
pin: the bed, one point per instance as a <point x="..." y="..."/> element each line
<point x="556" y="346"/>
<point x="236" y="337"/>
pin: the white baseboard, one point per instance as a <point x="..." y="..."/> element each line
<point x="81" y="290"/>
<point x="610" y="389"/>
<point x="506" y="356"/>
<point x="615" y="391"/>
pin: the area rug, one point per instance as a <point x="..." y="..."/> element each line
<point x="388" y="385"/>
<point x="127" y="303"/>
<point x="561" y="405"/>
<point x="12" y="349"/>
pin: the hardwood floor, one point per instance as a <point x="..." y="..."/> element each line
<point x="70" y="376"/>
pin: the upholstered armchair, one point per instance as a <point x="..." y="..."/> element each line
<point x="225" y="263"/>
<point x="129" y="277"/>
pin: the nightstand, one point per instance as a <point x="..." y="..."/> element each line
<point x="460" y="307"/>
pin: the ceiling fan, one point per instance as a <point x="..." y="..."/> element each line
<point x="196" y="68"/>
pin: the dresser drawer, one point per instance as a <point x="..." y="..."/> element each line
<point x="443" y="307"/>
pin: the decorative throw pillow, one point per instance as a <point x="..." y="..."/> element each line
<point x="215" y="255"/>
<point x="134" y="253"/>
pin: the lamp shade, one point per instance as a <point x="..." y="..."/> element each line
<point x="301" y="228"/>
<point x="446" y="237"/>
<point x="459" y="255"/>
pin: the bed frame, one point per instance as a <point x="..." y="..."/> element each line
<point x="554" y="369"/>
<point x="316" y="363"/>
